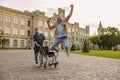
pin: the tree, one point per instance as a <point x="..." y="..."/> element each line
<point x="104" y="39"/>
<point x="85" y="47"/>
<point x="1" y="34"/>
<point x="111" y="30"/>
<point x="110" y="38"/>
<point x="73" y="47"/>
<point x="95" y="40"/>
<point x="3" y="40"/>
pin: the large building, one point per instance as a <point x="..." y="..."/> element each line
<point x="19" y="27"/>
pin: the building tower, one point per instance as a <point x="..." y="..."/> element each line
<point x="87" y="31"/>
<point x="100" y="28"/>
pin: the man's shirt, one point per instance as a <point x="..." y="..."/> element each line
<point x="39" y="38"/>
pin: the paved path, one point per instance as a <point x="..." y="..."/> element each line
<point x="19" y="65"/>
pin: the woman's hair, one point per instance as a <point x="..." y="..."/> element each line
<point x="58" y="16"/>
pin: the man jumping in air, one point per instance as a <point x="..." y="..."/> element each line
<point x="61" y="31"/>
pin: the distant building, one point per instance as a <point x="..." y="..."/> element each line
<point x="19" y="27"/>
<point x="100" y="29"/>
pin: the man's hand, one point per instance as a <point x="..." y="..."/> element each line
<point x="48" y="21"/>
<point x="71" y="5"/>
<point x="37" y="45"/>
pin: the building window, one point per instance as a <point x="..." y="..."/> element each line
<point x="15" y="43"/>
<point x="76" y="38"/>
<point x="7" y="30"/>
<point x="29" y="23"/>
<point x="22" y="21"/>
<point x="15" y="31"/>
<point x="40" y="23"/>
<point x="28" y="43"/>
<point x="28" y="33"/>
<point x="76" y="32"/>
<point x="22" y="43"/>
<point x="7" y="18"/>
<point x="0" y="17"/>
<point x="16" y="20"/>
<point x="7" y="43"/>
<point x="22" y="32"/>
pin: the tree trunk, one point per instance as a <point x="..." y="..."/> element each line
<point x="93" y="46"/>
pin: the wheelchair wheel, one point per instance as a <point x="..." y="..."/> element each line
<point x="55" y="65"/>
<point x="45" y="65"/>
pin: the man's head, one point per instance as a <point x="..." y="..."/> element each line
<point x="59" y="18"/>
<point x="37" y="29"/>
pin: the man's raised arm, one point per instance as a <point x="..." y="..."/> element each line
<point x="70" y="14"/>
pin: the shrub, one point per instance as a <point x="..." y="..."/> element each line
<point x="85" y="47"/>
<point x="73" y="47"/>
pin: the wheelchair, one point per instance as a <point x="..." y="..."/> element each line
<point x="47" y="57"/>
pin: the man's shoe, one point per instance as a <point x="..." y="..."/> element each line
<point x="67" y="54"/>
<point x="36" y="62"/>
<point x="36" y="65"/>
<point x="41" y="64"/>
<point x="56" y="63"/>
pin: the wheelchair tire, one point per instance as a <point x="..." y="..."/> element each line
<point x="55" y="65"/>
<point x="45" y="65"/>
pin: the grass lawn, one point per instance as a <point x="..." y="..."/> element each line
<point x="100" y="53"/>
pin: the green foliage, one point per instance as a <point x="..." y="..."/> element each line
<point x="111" y="30"/>
<point x="85" y="47"/>
<point x="95" y="40"/>
<point x="3" y="40"/>
<point x="110" y="38"/>
<point x="73" y="48"/>
<point x="1" y="33"/>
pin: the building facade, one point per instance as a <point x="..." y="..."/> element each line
<point x="19" y="28"/>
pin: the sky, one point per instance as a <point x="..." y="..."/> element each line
<point x="86" y="12"/>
